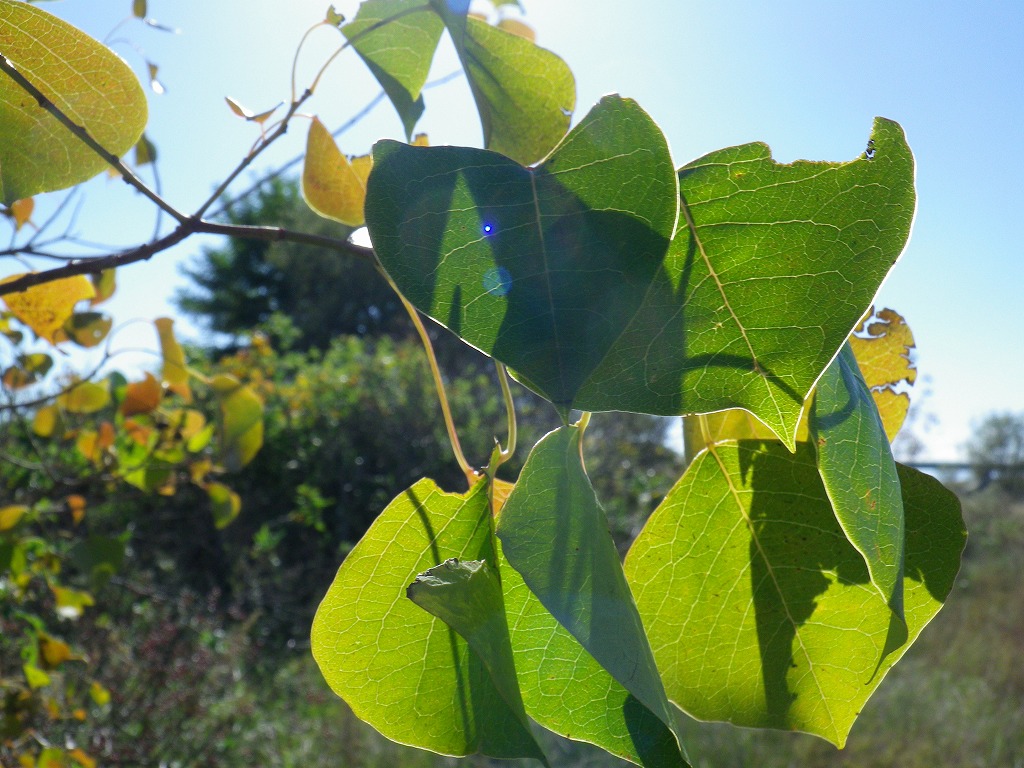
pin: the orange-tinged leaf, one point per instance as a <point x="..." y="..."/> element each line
<point x="85" y="397"/>
<point x="45" y="420"/>
<point x="421" y="140"/>
<point x="77" y="754"/>
<point x="88" y="444"/>
<point x="21" y="211"/>
<point x="518" y="28"/>
<point x="331" y="185"/>
<point x="140" y="433"/>
<point x="105" y="435"/>
<point x="142" y="396"/>
<point x="248" y="114"/>
<point x="499" y="494"/>
<point x="87" y="329"/>
<point x="11" y="515"/>
<point x="45" y="308"/>
<point x="104" y="284"/>
<point x="76" y="504"/>
<point x="28" y="370"/>
<point x="174" y="373"/>
<point x="884" y="357"/>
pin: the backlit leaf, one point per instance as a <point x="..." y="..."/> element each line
<point x="516" y="27"/>
<point x="104" y="284"/>
<point x="71" y="603"/>
<point x="45" y="308"/>
<point x="859" y="473"/>
<point x="241" y="427"/>
<point x="84" y="79"/>
<point x="525" y="94"/>
<point x="399" y="52"/>
<point x="142" y="396"/>
<point x="884" y="356"/>
<point x="174" y="373"/>
<point x="554" y="533"/>
<point x="466" y="595"/>
<point x="99" y="694"/>
<point x="332" y="186"/>
<point x="44" y="423"/>
<point x="760" y="611"/>
<point x="88" y="329"/>
<point x="139" y="9"/>
<point x="21" y="211"/>
<point x="27" y="370"/>
<point x="400" y="669"/>
<point x="541" y="268"/>
<point x="85" y="397"/>
<point x="54" y="652"/>
<point x="727" y="322"/>
<point x="145" y="154"/>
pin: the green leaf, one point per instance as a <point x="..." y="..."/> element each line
<point x="771" y="268"/>
<point x="88" y="329"/>
<point x="859" y="473"/>
<point x="554" y="533"/>
<point x="541" y="268"/>
<point x="224" y="503"/>
<point x="466" y="595"/>
<point x="759" y="610"/>
<point x="84" y="79"/>
<point x="241" y="428"/>
<point x="525" y="94"/>
<point x="398" y="52"/>
<point x="399" y="668"/>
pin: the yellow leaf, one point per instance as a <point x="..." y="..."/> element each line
<point x="142" y="396"/>
<point x="88" y="444"/>
<point x="76" y="504"/>
<point x="45" y="308"/>
<point x="11" y="515"/>
<point x="87" y="329"/>
<point x="248" y="114"/>
<point x="71" y="603"/>
<point x="332" y="186"/>
<point x="500" y="492"/>
<point x="225" y="504"/>
<point x="241" y="431"/>
<point x="55" y="652"/>
<point x="884" y="357"/>
<point x="77" y="754"/>
<point x="420" y="140"/>
<point x="175" y="373"/>
<point x="518" y="28"/>
<point x="21" y="211"/>
<point x="139" y="9"/>
<point x="99" y="694"/>
<point x="45" y="421"/>
<point x="85" y="397"/>
<point x="35" y="677"/>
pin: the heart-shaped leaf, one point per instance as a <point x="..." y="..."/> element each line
<point x="401" y="669"/>
<point x="771" y="268"/>
<point x="759" y="610"/>
<point x="555" y="535"/>
<point x="541" y="268"/>
<point x="84" y="79"/>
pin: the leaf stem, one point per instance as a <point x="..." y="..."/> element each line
<point x="510" y="412"/>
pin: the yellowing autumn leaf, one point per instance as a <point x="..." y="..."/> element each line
<point x="334" y="187"/>
<point x="142" y="396"/>
<point x="884" y="359"/>
<point x="45" y="308"/>
<point x="21" y="212"/>
<point x="11" y="515"/>
<point x="175" y="373"/>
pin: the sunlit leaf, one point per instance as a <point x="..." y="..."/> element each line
<point x="400" y="669"/>
<point x="516" y="27"/>
<point x="21" y="212"/>
<point x="142" y="396"/>
<point x="554" y="533"/>
<point x="525" y="94"/>
<point x="44" y="423"/>
<point x="145" y="154"/>
<point x="541" y="268"/>
<point x="760" y="611"/>
<point x="859" y="473"/>
<point x="11" y="515"/>
<point x="332" y="186"/>
<point x="104" y="284"/>
<point x="84" y="79"/>
<point x="224" y="503"/>
<point x="28" y="370"/>
<point x="45" y="308"/>
<point x="241" y="428"/>
<point x="884" y="355"/>
<point x="466" y="595"/>
<point x="727" y="321"/>
<point x="88" y="329"/>
<point x="80" y="757"/>
<point x="154" y="82"/>
<point x="99" y="694"/>
<point x="399" y="52"/>
<point x="334" y="18"/>
<point x="139" y="9"/>
<point x="71" y="603"/>
<point x="85" y="397"/>
<point x="35" y="677"/>
<point x="55" y="652"/>
<point x="174" y="372"/>
<point x="76" y="505"/>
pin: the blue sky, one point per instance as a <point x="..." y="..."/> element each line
<point x="805" y="76"/>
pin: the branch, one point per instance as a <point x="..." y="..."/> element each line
<point x="187" y="228"/>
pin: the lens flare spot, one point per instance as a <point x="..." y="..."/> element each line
<point x="497" y="281"/>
